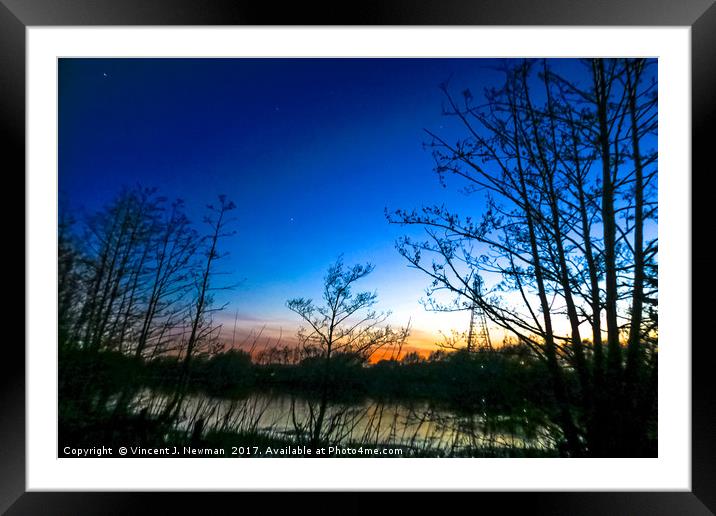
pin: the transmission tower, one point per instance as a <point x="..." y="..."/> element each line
<point x="478" y="336"/>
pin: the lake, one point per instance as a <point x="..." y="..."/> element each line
<point x="419" y="428"/>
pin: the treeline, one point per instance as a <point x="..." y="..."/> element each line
<point x="137" y="277"/>
<point x="136" y="281"/>
<point x="565" y="163"/>
<point x="501" y="382"/>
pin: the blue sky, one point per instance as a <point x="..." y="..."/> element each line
<point x="311" y="151"/>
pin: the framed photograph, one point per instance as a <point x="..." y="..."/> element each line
<point x="443" y="240"/>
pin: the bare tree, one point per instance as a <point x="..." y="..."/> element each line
<point x="140" y="281"/>
<point x="116" y="244"/>
<point x="550" y="156"/>
<point x="346" y="323"/>
<point x="69" y="276"/>
<point x="201" y="327"/>
<point x="169" y="268"/>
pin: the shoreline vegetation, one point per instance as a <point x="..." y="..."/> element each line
<point x="498" y="383"/>
<point x="561" y="255"/>
<point x="507" y="383"/>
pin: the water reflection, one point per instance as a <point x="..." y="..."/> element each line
<point x="416" y="426"/>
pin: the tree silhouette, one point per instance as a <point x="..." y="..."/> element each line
<point x="346" y="324"/>
<point x="563" y="177"/>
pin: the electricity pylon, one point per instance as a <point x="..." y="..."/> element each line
<point x="478" y="336"/>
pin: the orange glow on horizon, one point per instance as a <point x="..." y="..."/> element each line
<point x="422" y="341"/>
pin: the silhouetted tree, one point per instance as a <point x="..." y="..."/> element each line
<point x="116" y="244"/>
<point x="558" y="162"/>
<point x="202" y="328"/>
<point x="69" y="278"/>
<point x="202" y="333"/>
<point x="136" y="280"/>
<point x="346" y="323"/>
<point x="169" y="272"/>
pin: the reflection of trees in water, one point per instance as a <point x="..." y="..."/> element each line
<point x="419" y="427"/>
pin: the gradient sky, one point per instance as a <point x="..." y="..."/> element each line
<point x="310" y="150"/>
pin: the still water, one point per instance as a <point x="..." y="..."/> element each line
<point x="417" y="426"/>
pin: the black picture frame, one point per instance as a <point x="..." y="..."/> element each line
<point x="700" y="15"/>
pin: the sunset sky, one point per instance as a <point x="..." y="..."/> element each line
<point x="311" y="151"/>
